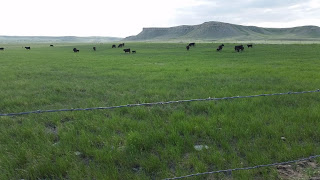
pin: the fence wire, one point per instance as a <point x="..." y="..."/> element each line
<point x="155" y="103"/>
<point x="246" y="168"/>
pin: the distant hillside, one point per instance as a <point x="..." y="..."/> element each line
<point x="52" y="39"/>
<point x="219" y="30"/>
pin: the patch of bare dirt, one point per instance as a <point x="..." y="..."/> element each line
<point x="302" y="170"/>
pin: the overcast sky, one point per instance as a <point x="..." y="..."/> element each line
<point x="121" y="18"/>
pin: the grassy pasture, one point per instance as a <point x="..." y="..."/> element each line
<point x="155" y="142"/>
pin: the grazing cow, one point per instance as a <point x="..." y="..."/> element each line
<point x="113" y="46"/>
<point x="188" y="47"/>
<point x="1" y="49"/>
<point x="133" y="52"/>
<point x="121" y="45"/>
<point x="220" y="47"/>
<point x="238" y="48"/>
<point x="192" y="44"/>
<point x="51" y="45"/>
<point x="126" y="50"/>
<point x="28" y="48"/>
<point x="75" y="50"/>
<point x="249" y="45"/>
<point x="94" y="48"/>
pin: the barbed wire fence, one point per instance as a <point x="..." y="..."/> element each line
<point x="155" y="103"/>
<point x="182" y="101"/>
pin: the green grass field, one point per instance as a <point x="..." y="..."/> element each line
<point x="156" y="142"/>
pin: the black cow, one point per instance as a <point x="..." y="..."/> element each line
<point x="1" y="49"/>
<point x="28" y="48"/>
<point x="192" y="44"/>
<point x="75" y="50"/>
<point x="121" y="45"/>
<point x="220" y="47"/>
<point x="94" y="48"/>
<point x="113" y="46"/>
<point x="51" y="45"/>
<point x="133" y="52"/>
<point x="238" y="48"/>
<point x="188" y="47"/>
<point x="249" y="45"/>
<point x="126" y="50"/>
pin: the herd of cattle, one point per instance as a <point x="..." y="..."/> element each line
<point x="237" y="48"/>
<point x="128" y="50"/>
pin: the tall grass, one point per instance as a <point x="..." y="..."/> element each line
<point x="156" y="141"/>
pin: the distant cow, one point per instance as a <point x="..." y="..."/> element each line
<point x="51" y="45"/>
<point x="187" y="47"/>
<point x="121" y="45"/>
<point x="2" y="49"/>
<point x="249" y="45"/>
<point x="28" y="48"/>
<point x="133" y="52"/>
<point x="238" y="48"/>
<point x="113" y="46"/>
<point x="75" y="50"/>
<point x="220" y="47"/>
<point x="94" y="48"/>
<point x="192" y="44"/>
<point x="126" y="50"/>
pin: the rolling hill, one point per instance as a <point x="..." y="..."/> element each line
<point x="224" y="31"/>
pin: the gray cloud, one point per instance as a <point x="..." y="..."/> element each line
<point x="250" y="12"/>
<point x="271" y="4"/>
